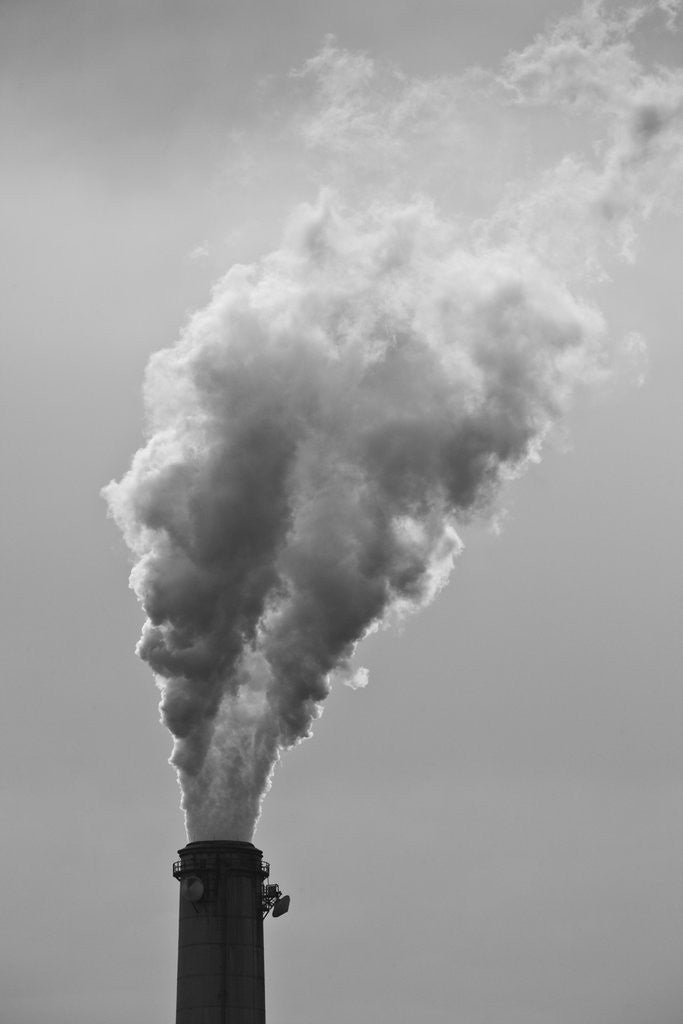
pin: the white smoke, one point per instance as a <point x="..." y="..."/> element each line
<point x="339" y="406"/>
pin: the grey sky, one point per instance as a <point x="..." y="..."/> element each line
<point x="491" y="831"/>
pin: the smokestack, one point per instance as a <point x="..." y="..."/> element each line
<point x="224" y="898"/>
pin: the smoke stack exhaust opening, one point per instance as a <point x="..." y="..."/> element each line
<point x="224" y="898"/>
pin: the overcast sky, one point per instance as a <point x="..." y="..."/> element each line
<point x="491" y="831"/>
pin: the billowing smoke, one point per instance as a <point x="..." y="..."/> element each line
<point x="341" y="405"/>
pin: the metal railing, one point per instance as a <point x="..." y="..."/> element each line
<point x="200" y="862"/>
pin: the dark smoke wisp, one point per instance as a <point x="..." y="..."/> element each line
<point x="325" y="423"/>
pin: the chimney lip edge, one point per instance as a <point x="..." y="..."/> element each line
<point x="219" y="845"/>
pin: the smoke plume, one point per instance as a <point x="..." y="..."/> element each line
<point x="338" y="408"/>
